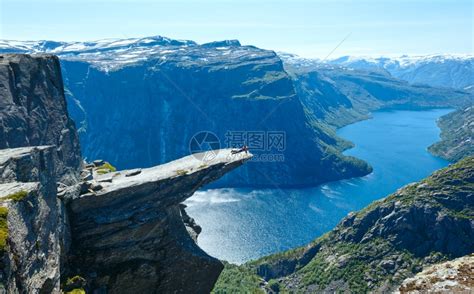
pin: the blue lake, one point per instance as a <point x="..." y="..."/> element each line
<point x="244" y="224"/>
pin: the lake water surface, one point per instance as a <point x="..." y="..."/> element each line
<point x="243" y="224"/>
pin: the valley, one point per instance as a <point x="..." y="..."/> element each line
<point x="244" y="224"/>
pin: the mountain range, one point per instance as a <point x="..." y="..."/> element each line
<point x="438" y="70"/>
<point x="138" y="102"/>
<point x="339" y="96"/>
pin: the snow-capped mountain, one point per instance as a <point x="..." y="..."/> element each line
<point x="447" y="70"/>
<point x="112" y="54"/>
<point x="455" y="71"/>
<point x="93" y="46"/>
<point x="443" y="70"/>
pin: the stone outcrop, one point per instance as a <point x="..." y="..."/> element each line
<point x="128" y="234"/>
<point x="33" y="110"/>
<point x="455" y="276"/>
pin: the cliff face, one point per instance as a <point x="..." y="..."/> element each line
<point x="119" y="232"/>
<point x="33" y="113"/>
<point x="377" y="248"/>
<point x="139" y="102"/>
<point x="33" y="237"/>
<point x="33" y="110"/>
<point x="457" y="135"/>
<point x="202" y="88"/>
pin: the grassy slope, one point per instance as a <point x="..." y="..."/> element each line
<point x="237" y="279"/>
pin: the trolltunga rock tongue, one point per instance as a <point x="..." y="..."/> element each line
<point x="128" y="231"/>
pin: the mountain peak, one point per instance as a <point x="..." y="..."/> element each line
<point x="224" y="43"/>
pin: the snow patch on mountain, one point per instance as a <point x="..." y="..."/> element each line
<point x="113" y="54"/>
<point x="439" y="70"/>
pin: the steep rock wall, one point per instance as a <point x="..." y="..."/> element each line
<point x="36" y="230"/>
<point x="33" y="110"/>
<point x="147" y="112"/>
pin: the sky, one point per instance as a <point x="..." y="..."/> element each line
<point x="307" y="28"/>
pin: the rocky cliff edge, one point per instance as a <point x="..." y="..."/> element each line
<point x="67" y="229"/>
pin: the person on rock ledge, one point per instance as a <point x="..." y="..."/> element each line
<point x="244" y="148"/>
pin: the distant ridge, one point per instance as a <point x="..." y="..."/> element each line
<point x="438" y="70"/>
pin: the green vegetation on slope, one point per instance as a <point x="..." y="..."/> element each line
<point x="17" y="196"/>
<point x="74" y="285"/>
<point x="237" y="279"/>
<point x="378" y="247"/>
<point x="105" y="168"/>
<point x="3" y="229"/>
<point x="181" y="172"/>
<point x="457" y="135"/>
<point x="77" y="291"/>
